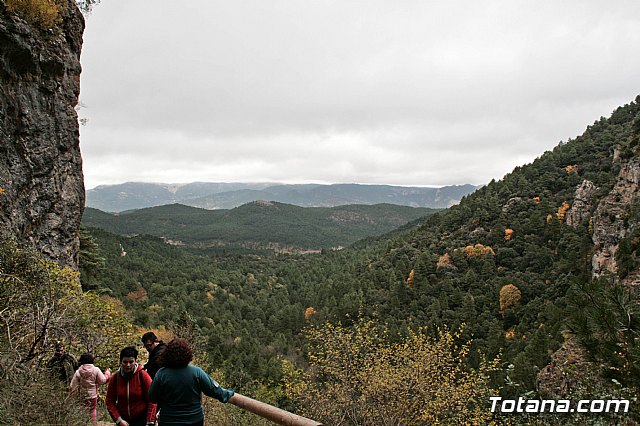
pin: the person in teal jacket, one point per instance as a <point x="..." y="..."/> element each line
<point x="178" y="386"/>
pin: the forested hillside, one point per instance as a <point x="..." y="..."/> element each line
<point x="512" y="267"/>
<point x="260" y="224"/>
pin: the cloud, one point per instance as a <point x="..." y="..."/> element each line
<point x="379" y="92"/>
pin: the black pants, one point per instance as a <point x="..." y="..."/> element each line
<point x="140" y="421"/>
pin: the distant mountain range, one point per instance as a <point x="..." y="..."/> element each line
<point x="213" y="195"/>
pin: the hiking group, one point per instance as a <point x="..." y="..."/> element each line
<point x="136" y="395"/>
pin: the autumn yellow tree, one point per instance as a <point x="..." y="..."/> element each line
<point x="508" y="234"/>
<point x="444" y="261"/>
<point x="477" y="250"/>
<point x="410" y="278"/>
<point x="509" y="297"/>
<point x="309" y="312"/>
<point x="101" y="327"/>
<point x="562" y="211"/>
<point x="358" y="376"/>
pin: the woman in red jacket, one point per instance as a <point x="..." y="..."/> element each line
<point x="128" y="392"/>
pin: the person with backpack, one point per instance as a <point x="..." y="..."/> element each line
<point x="127" y="398"/>
<point x="85" y="383"/>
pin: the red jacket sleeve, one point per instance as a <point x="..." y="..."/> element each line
<point x="151" y="407"/>
<point x="112" y="396"/>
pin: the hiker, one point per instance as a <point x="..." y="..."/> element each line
<point x="62" y="365"/>
<point x="178" y="387"/>
<point x="128" y="392"/>
<point x="85" y="383"/>
<point x="154" y="347"/>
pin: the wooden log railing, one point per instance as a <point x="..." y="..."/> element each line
<point x="270" y="412"/>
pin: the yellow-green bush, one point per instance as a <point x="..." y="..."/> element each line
<point x="44" y="13"/>
<point x="42" y="303"/>
<point x="358" y="376"/>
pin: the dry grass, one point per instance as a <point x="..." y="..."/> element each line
<point x="35" y="399"/>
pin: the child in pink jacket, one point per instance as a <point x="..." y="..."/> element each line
<point x="85" y="383"/>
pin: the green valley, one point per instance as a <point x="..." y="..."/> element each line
<point x="260" y="224"/>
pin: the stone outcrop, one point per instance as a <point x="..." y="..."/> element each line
<point x="581" y="208"/>
<point x="610" y="221"/>
<point x="41" y="181"/>
<point x="511" y="203"/>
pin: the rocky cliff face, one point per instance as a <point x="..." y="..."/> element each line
<point x="611" y="222"/>
<point x="41" y="181"/>
<point x="581" y="208"/>
<point x="611" y="219"/>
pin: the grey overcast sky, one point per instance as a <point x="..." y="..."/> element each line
<point x="395" y="92"/>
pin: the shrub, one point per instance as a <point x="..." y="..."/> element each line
<point x="43" y="13"/>
<point x="358" y="376"/>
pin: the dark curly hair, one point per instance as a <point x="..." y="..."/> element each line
<point x="177" y="354"/>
